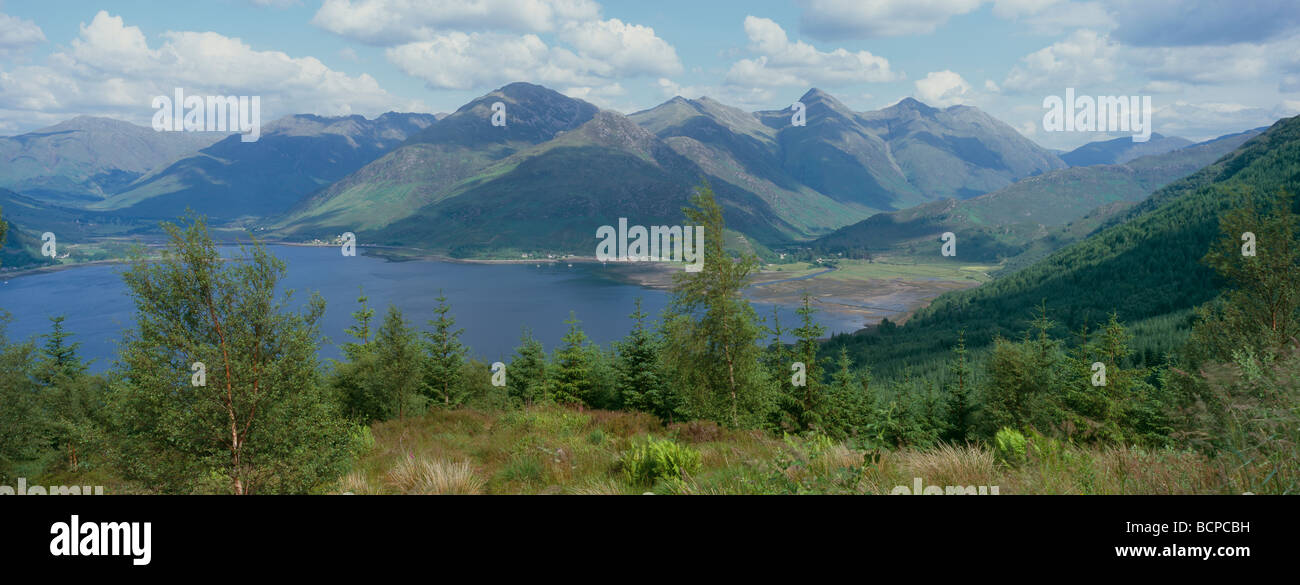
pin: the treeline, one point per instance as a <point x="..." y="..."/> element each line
<point x="218" y="387"/>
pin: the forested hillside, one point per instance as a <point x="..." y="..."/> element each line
<point x="1145" y="266"/>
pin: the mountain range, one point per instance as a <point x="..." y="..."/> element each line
<point x="1033" y="213"/>
<point x="86" y="158"/>
<point x="1122" y="150"/>
<point x="231" y="179"/>
<point x="560" y="167"/>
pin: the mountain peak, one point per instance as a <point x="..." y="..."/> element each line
<point x="84" y="122"/>
<point x="533" y="114"/>
<point x="521" y="91"/>
<point x="815" y="94"/>
<point x="820" y="103"/>
<point x="912" y="104"/>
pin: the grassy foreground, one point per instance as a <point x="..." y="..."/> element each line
<point x="552" y="450"/>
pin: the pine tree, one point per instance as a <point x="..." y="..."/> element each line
<point x="356" y="378"/>
<point x="360" y="329"/>
<point x="572" y="383"/>
<point x="445" y="356"/>
<point x="850" y="401"/>
<point x="527" y="381"/>
<point x="1024" y="388"/>
<point x="777" y="359"/>
<point x="640" y="385"/>
<point x="961" y="403"/>
<point x="810" y="397"/>
<point x="58" y="356"/>
<point x="397" y="353"/>
<point x="70" y="398"/>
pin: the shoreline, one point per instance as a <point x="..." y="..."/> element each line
<point x="8" y="275"/>
<point x="833" y="296"/>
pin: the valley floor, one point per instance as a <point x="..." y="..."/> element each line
<point x="857" y="290"/>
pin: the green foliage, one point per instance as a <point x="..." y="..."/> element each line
<point x="561" y="423"/>
<point x="809" y="401"/>
<point x="1260" y="311"/>
<point x="381" y="376"/>
<point x="1010" y="446"/>
<point x="524" y="467"/>
<point x="262" y="422"/>
<point x="641" y="382"/>
<point x="23" y="434"/>
<point x="1143" y="264"/>
<point x="445" y="355"/>
<point x="850" y="401"/>
<point x="1024" y="379"/>
<point x="527" y="379"/>
<point x="573" y="381"/>
<point x="960" y="387"/>
<point x="648" y="459"/>
<point x="711" y="331"/>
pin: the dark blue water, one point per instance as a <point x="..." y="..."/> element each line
<point x="492" y="302"/>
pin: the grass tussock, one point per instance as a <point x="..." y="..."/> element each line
<point x="435" y="477"/>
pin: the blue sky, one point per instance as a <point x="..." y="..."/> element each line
<point x="1210" y="67"/>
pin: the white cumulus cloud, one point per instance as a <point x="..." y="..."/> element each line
<point x="110" y="69"/>
<point x="1084" y="57"/>
<point x="17" y="34"/>
<point x="837" y="19"/>
<point x="943" y="89"/>
<point x="781" y="62"/>
<point x="395" y="22"/>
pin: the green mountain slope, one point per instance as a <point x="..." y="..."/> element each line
<point x="295" y="155"/>
<point x="1145" y="265"/>
<point x="87" y="158"/>
<point x="553" y="197"/>
<point x="1036" y="212"/>
<point x="1122" y="150"/>
<point x="958" y="151"/>
<point x="434" y="161"/>
<point x="903" y="155"/>
<point x="733" y="147"/>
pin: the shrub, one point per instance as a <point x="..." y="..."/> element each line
<point x="649" y="459"/>
<point x="362" y="439"/>
<point x="1009" y="446"/>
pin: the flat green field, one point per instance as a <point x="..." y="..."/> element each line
<point x="867" y="291"/>
<point x="863" y="270"/>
